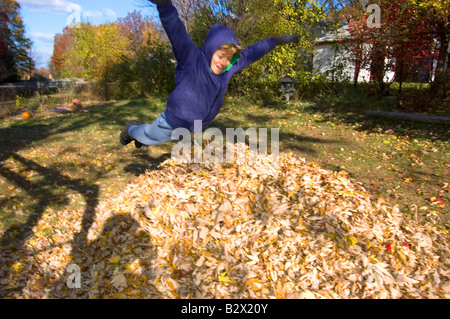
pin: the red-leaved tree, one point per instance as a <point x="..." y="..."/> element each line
<point x="403" y="43"/>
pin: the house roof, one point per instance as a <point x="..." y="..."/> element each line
<point x="333" y="36"/>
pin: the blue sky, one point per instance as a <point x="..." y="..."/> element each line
<point x="45" y="18"/>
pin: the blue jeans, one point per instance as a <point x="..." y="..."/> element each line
<point x="158" y="132"/>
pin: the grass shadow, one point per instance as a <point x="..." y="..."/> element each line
<point x="92" y="269"/>
<point x="143" y="162"/>
<point x="45" y="186"/>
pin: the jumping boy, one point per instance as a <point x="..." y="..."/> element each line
<point x="201" y="76"/>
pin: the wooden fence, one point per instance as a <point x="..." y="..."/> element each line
<point x="28" y="88"/>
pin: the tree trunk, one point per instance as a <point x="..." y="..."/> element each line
<point x="357" y="69"/>
<point x="414" y="117"/>
<point x="446" y="94"/>
<point x="356" y="75"/>
<point x="377" y="68"/>
<point x="399" y="75"/>
<point x="439" y="79"/>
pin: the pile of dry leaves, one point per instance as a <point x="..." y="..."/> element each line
<point x="256" y="228"/>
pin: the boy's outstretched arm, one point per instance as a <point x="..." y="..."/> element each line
<point x="285" y="39"/>
<point x="182" y="44"/>
<point x="257" y="50"/>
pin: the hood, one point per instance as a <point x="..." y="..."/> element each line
<point x="217" y="36"/>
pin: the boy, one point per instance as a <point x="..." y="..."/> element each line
<point x="201" y="76"/>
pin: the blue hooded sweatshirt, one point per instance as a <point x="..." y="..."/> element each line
<point x="199" y="93"/>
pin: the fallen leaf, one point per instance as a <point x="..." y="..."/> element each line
<point x="351" y="240"/>
<point x="16" y="267"/>
<point x="223" y="278"/>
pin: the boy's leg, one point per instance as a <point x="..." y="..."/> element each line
<point x="158" y="132"/>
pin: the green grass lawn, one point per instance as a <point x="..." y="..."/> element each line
<point x="54" y="162"/>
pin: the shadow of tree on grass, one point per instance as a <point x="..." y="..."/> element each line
<point x="53" y="186"/>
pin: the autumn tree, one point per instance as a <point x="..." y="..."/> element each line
<point x="436" y="15"/>
<point x="92" y="50"/>
<point x="62" y="44"/>
<point x="368" y="46"/>
<point x="412" y="44"/>
<point x="147" y="59"/>
<point x="401" y="43"/>
<point x="15" y="60"/>
<point x="187" y="10"/>
<point x="128" y="50"/>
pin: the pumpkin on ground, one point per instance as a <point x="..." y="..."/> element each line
<point x="27" y="115"/>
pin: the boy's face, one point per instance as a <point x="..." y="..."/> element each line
<point x="220" y="61"/>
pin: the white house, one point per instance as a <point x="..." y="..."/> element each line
<point x="331" y="58"/>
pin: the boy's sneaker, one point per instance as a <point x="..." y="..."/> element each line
<point x="125" y="138"/>
<point x="138" y="144"/>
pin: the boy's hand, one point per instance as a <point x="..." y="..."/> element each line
<point x="285" y="39"/>
<point x="161" y="3"/>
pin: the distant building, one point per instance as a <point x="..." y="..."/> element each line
<point x="331" y="58"/>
